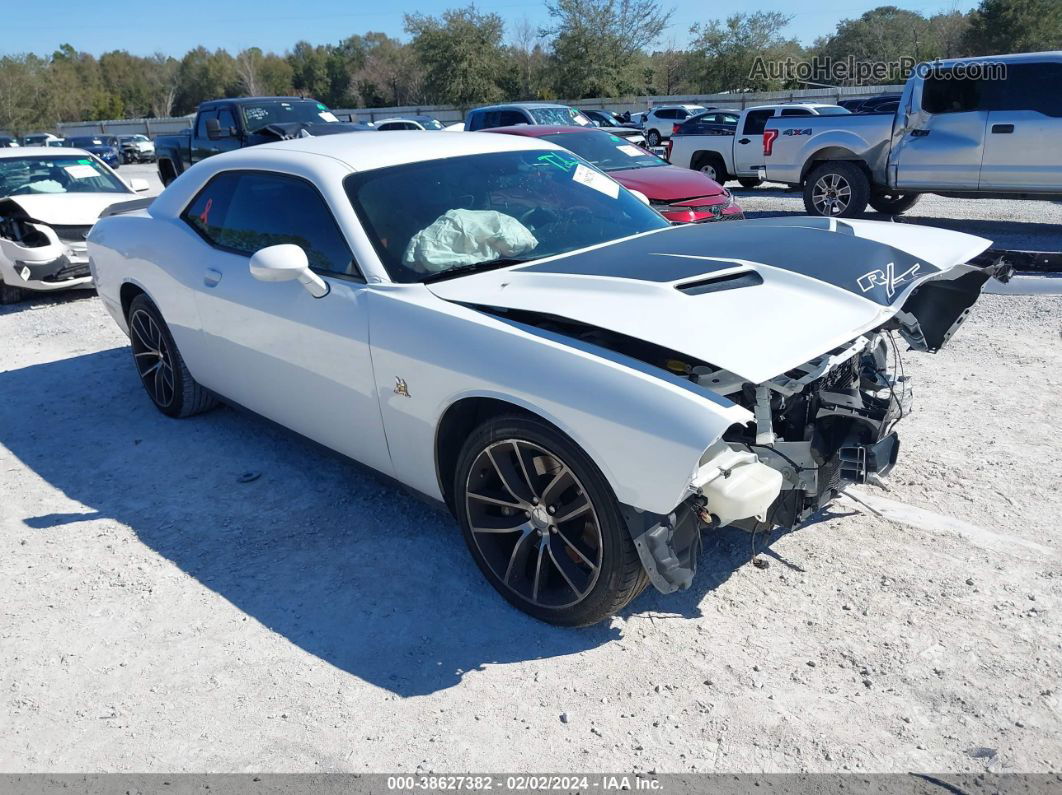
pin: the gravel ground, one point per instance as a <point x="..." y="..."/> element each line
<point x="158" y="614"/>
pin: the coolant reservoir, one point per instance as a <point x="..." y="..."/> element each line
<point x="737" y="485"/>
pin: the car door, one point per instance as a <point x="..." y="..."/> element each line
<point x="301" y="361"/>
<point x="1023" y="142"/>
<point x="748" y="143"/>
<point x="943" y="142"/>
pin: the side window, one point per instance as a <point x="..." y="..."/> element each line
<point x="507" y="118"/>
<point x="667" y="113"/>
<point x="226" y="120"/>
<point x="200" y="126"/>
<point x="756" y="121"/>
<point x="796" y="112"/>
<point x="475" y="121"/>
<point x="1028" y="86"/>
<point x="247" y="211"/>
<point x="389" y="126"/>
<point x="681" y="114"/>
<point x="941" y="93"/>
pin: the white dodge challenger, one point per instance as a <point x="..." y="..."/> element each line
<point x="494" y="323"/>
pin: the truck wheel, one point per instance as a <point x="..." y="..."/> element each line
<point x="711" y="165"/>
<point x="9" y="294"/>
<point x="543" y="524"/>
<point x="836" y="190"/>
<point x="652" y="138"/>
<point x="894" y="203"/>
<point x="750" y="183"/>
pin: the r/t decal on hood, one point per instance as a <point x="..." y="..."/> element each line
<point x="887" y="278"/>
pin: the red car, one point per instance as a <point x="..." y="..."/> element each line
<point x="682" y="196"/>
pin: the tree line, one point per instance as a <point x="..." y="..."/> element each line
<point x="464" y="57"/>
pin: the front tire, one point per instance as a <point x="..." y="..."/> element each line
<point x="894" y="203"/>
<point x="160" y="365"/>
<point x="836" y="190"/>
<point x="652" y="138"/>
<point x="543" y="524"/>
<point x="750" y="183"/>
<point x="9" y="294"/>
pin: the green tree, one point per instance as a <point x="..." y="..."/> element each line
<point x="203" y="75"/>
<point x="597" y="44"/>
<point x="1006" y="26"/>
<point x="461" y="55"/>
<point x="723" y="55"/>
<point x="309" y="70"/>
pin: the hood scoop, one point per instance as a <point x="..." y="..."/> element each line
<point x="716" y="284"/>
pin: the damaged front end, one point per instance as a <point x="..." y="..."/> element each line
<point x="817" y="428"/>
<point x="38" y="256"/>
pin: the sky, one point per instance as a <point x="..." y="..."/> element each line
<point x="140" y="26"/>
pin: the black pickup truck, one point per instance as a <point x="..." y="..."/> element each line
<point x="222" y="125"/>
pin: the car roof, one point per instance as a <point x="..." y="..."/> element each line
<point x="50" y="151"/>
<point x="390" y="148"/>
<point x="504" y="105"/>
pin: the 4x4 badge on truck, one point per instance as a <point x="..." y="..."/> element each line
<point x="887" y="278"/>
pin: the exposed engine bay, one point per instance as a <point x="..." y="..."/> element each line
<point x="34" y="254"/>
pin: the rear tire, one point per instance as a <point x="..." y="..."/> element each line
<point x="543" y="524"/>
<point x="167" y="174"/>
<point x="159" y="364"/>
<point x="9" y="294"/>
<point x="712" y="166"/>
<point x="894" y="203"/>
<point x="836" y="190"/>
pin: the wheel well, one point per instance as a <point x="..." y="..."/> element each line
<point x="456" y="424"/>
<point x="829" y="154"/>
<point x="127" y="294"/>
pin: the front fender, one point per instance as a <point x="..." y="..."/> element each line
<point x="645" y="429"/>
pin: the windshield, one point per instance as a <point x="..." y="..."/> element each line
<point x="606" y="151"/>
<point x="431" y="124"/>
<point x="559" y="116"/>
<point x="829" y="110"/>
<point x="68" y="174"/>
<point x="262" y="114"/>
<point x="479" y="211"/>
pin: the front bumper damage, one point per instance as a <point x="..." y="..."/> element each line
<point x="35" y="256"/>
<point x="818" y="428"/>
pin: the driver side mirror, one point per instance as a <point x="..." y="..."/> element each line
<point x="286" y="262"/>
<point x="214" y="131"/>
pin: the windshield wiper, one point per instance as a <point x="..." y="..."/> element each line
<point x="474" y="267"/>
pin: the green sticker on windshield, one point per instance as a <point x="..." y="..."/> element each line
<point x="321" y="107"/>
<point x="558" y="160"/>
<point x="616" y="138"/>
<point x="85" y="162"/>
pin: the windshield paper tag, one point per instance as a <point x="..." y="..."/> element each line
<point x="81" y="172"/>
<point x="630" y="150"/>
<point x="597" y="181"/>
<point x="328" y="116"/>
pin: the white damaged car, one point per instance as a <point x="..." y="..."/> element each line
<point x="49" y="200"/>
<point x="494" y="323"/>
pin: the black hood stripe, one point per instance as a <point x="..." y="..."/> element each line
<point x="868" y="268"/>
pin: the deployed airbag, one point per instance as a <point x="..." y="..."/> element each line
<point x="463" y="237"/>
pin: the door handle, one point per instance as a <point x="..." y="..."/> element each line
<point x="744" y="141"/>
<point x="920" y="133"/>
<point x="212" y="277"/>
<point x="1002" y="129"/>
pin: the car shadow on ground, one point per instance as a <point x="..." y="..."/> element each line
<point x="341" y="562"/>
<point x="39" y="300"/>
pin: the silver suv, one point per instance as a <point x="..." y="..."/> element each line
<point x="660" y="121"/>
<point x="524" y="113"/>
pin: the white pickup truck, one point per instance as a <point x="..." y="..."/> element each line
<point x="727" y="151"/>
<point x="973" y="127"/>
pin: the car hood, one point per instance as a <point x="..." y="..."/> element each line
<point x="66" y="209"/>
<point x="668" y="183"/>
<point x="756" y="298"/>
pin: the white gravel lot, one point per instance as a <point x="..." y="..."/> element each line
<point x="157" y="614"/>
